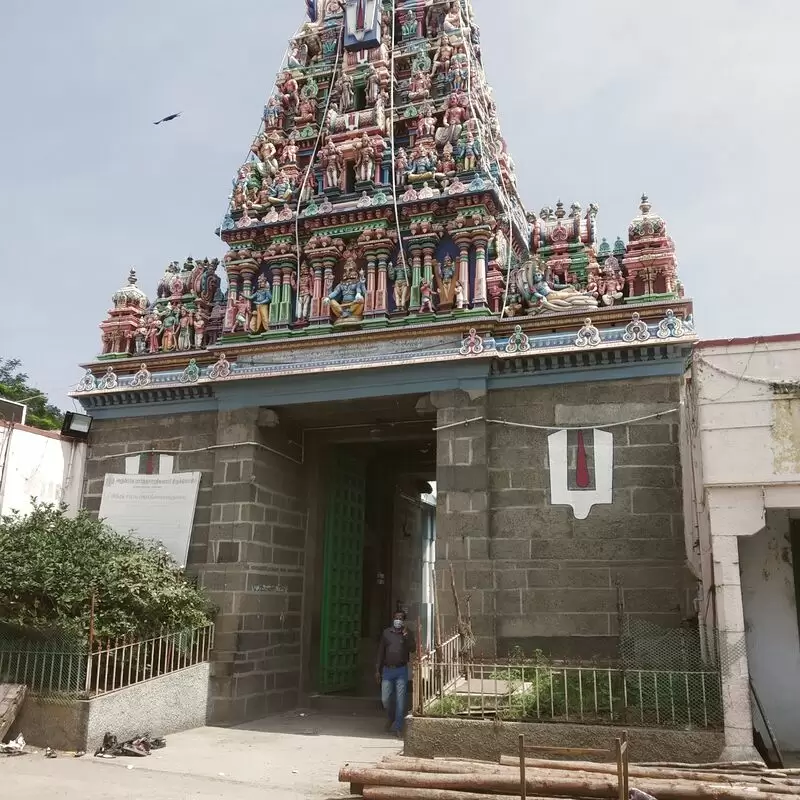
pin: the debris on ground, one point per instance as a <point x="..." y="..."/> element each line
<point x="16" y="747"/>
<point x="137" y="747"/>
<point x="11" y="698"/>
<point x="405" y="778"/>
<point x="50" y="753"/>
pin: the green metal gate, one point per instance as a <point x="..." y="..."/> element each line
<point x="342" y="575"/>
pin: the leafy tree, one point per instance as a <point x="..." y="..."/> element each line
<point x="14" y="386"/>
<point x="51" y="565"/>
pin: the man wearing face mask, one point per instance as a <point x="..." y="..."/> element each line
<point x="395" y="651"/>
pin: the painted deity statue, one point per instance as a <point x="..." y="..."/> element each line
<point x="423" y="164"/>
<point x="199" y="330"/>
<point x="304" y="291"/>
<point x="400" y="274"/>
<point x="346" y="301"/>
<point x="401" y="166"/>
<point x="331" y="158"/>
<point x="452" y="20"/>
<point x="281" y="189"/>
<point x="558" y="297"/>
<point x="420" y="86"/>
<point x="154" y="330"/>
<point x="140" y="337"/>
<point x="426" y="293"/>
<point x="347" y="97"/>
<point x="443" y="56"/>
<point x="459" y="295"/>
<point x="445" y="274"/>
<point x="448" y="163"/>
<point x="426" y="125"/>
<point x="167" y="282"/>
<point x="306" y="112"/>
<point x="373" y="85"/>
<point x="289" y="152"/>
<point x="241" y="314"/>
<point x="290" y="92"/>
<point x="261" y="299"/>
<point x="454" y="118"/>
<point x="365" y="159"/>
<point x="169" y="324"/>
<point x="469" y="153"/>
<point x="185" y="325"/>
<point x="273" y="113"/>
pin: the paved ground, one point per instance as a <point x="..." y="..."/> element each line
<point x="292" y="757"/>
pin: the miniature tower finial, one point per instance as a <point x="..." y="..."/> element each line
<point x="645" y="204"/>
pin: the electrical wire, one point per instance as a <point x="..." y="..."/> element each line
<point x="392" y="133"/>
<point x="602" y="426"/>
<point x="322" y="125"/>
<point x="487" y="135"/>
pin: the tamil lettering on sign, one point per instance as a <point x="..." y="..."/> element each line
<point x="158" y="507"/>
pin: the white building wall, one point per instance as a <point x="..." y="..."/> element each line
<point x="741" y="460"/>
<point x="770" y="616"/>
<point x="39" y="464"/>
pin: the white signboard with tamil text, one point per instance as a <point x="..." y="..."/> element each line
<point x="159" y="507"/>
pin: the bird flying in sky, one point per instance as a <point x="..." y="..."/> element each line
<point x="169" y="118"/>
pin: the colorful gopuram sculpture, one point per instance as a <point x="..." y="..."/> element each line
<point x="380" y="190"/>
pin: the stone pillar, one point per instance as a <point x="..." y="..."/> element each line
<point x="427" y="268"/>
<point x="286" y="312"/>
<point x="479" y="292"/>
<point x="415" y="252"/>
<point x="316" y="291"/>
<point x="277" y="295"/>
<point x="254" y="569"/>
<point x="462" y="516"/>
<point x="369" y="306"/>
<point x="731" y="515"/>
<point x="381" y="292"/>
<point x="462" y="273"/>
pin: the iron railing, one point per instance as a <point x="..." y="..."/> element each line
<point x="61" y="665"/>
<point x="549" y="692"/>
<point x="120" y="662"/>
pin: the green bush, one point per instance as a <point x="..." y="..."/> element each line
<point x="52" y="564"/>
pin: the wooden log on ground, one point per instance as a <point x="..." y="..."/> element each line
<point x="638" y="771"/>
<point x="713" y="765"/>
<point x="398" y="793"/>
<point x="595" y="786"/>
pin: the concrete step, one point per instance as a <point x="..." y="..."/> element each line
<point x="347" y="706"/>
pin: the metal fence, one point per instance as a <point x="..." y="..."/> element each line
<point x="62" y="665"/>
<point x="49" y="663"/>
<point x="120" y="662"/>
<point x="662" y="678"/>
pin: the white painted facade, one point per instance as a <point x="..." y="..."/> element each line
<point x="740" y="452"/>
<point x="40" y="464"/>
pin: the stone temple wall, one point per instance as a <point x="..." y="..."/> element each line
<point x="539" y="578"/>
<point x="247" y="546"/>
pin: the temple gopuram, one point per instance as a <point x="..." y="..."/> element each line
<point x="388" y="316"/>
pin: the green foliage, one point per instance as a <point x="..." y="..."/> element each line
<point x="14" y="386"/>
<point x="52" y="564"/>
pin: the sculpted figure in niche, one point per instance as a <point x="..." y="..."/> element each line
<point x="346" y="94"/>
<point x="261" y="299"/>
<point x="304" y="290"/>
<point x="185" y="325"/>
<point x="401" y="276"/>
<point x="365" y="160"/>
<point x="373" y="85"/>
<point x="400" y="167"/>
<point x="331" y="158"/>
<point x="346" y="301"/>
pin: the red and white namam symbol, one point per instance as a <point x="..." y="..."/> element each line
<point x="583" y="497"/>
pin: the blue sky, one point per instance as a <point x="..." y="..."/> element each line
<point x="694" y="102"/>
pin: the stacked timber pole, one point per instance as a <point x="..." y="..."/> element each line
<point x="402" y="778"/>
